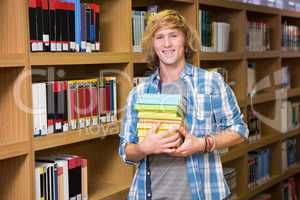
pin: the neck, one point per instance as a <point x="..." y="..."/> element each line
<point x="170" y="73"/>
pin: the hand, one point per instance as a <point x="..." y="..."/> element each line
<point x="160" y="143"/>
<point x="191" y="144"/>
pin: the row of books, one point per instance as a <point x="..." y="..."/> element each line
<point x="288" y="190"/>
<point x="290" y="112"/>
<point x="61" y="176"/>
<point x="139" y="23"/>
<point x="259" y="167"/>
<point x="281" y="4"/>
<point x="214" y="36"/>
<point x="254" y="126"/>
<point x="281" y="77"/>
<point x="289" y="153"/>
<point x="60" y="106"/>
<point x="290" y="37"/>
<point x="258" y="36"/>
<point x="231" y="179"/>
<point x="166" y="109"/>
<point x="64" y="25"/>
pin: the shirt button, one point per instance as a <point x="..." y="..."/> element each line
<point x="149" y="194"/>
<point x="148" y="173"/>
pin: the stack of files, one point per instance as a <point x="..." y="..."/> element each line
<point x="61" y="177"/>
<point x="166" y="109"/>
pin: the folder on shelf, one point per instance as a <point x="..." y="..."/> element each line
<point x="52" y="25"/>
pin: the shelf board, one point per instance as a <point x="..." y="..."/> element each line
<point x="289" y="13"/>
<point x="213" y="56"/>
<point x="294" y="92"/>
<point x="184" y="1"/>
<point x="265" y="140"/>
<point x="102" y="190"/>
<point x="14" y="149"/>
<point x="291" y="171"/>
<point x="233" y="153"/>
<point x="138" y="58"/>
<point x="270" y="96"/>
<point x="274" y="180"/>
<point x="77" y="58"/>
<point x="12" y="60"/>
<point x="269" y="183"/>
<point x="290" y="54"/>
<point x="263" y="55"/>
<point x="262" y="9"/>
<point x="70" y="137"/>
<point x="262" y="98"/>
<point x="223" y="4"/>
<point x="291" y="133"/>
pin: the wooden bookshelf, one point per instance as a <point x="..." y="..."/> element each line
<point x="204" y="56"/>
<point x="290" y="54"/>
<point x="14" y="149"/>
<point x="13" y="60"/>
<point x="77" y="58"/>
<point x="234" y="153"/>
<point x="291" y="133"/>
<point x="70" y="137"/>
<point x="109" y="178"/>
<point x="265" y="140"/>
<point x="138" y="58"/>
<point x="262" y="55"/>
<point x="258" y="189"/>
<point x="107" y="190"/>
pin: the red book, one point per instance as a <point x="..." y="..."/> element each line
<point x="81" y="104"/>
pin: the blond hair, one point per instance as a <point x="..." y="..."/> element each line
<point x="169" y="19"/>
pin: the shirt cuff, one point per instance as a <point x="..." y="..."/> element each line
<point x="242" y="130"/>
<point x="123" y="154"/>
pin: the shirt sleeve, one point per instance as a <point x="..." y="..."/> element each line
<point x="128" y="128"/>
<point x="226" y="110"/>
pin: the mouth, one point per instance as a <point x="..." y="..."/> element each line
<point x="168" y="52"/>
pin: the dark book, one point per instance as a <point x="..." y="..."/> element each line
<point x="46" y="25"/>
<point x="52" y="25"/>
<point x="33" y="25"/>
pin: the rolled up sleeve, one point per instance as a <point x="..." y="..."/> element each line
<point x="226" y="109"/>
<point x="128" y="128"/>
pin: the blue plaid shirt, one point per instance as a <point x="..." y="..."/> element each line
<point x="211" y="108"/>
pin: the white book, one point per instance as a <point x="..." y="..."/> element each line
<point x="284" y="156"/>
<point x="43" y="108"/>
<point x="36" y="129"/>
<point x="38" y="169"/>
<point x="64" y="164"/>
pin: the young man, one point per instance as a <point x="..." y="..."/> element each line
<point x="186" y="165"/>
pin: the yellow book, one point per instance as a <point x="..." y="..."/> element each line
<point x="163" y="126"/>
<point x="143" y="132"/>
<point x="157" y="115"/>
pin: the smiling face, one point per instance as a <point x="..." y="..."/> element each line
<point x="169" y="47"/>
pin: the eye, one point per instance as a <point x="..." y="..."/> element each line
<point x="159" y="37"/>
<point x="174" y="35"/>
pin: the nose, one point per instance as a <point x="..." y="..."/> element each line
<point x="167" y="41"/>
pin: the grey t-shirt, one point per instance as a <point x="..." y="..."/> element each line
<point x="169" y="180"/>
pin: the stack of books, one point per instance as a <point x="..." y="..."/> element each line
<point x="166" y="109"/>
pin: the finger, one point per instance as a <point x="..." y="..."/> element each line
<point x="168" y="132"/>
<point x="182" y="130"/>
<point x="173" y="144"/>
<point x="154" y="129"/>
<point x="169" y="151"/>
<point x="170" y="139"/>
